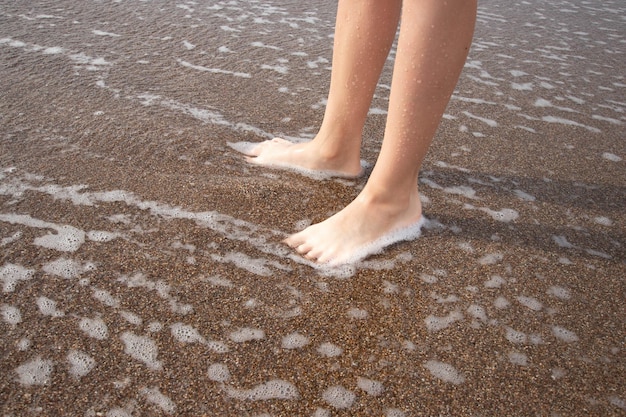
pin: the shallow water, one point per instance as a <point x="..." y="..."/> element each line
<point x="142" y="271"/>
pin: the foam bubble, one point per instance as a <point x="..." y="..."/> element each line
<point x="67" y="239"/>
<point x="7" y="240"/>
<point x="48" y="307"/>
<point x="358" y="313"/>
<point x="217" y="346"/>
<point x="80" y="363"/>
<point x="105" y="297"/>
<point x="445" y="372"/>
<point x="529" y="302"/>
<point x="118" y="412"/>
<point x="495" y="281"/>
<point x="321" y="412"/>
<point x="37" y="371"/>
<point x="101" y="236"/>
<point x="275" y="389"/>
<point x="515" y="336"/>
<point x="11" y="315"/>
<point x="294" y="341"/>
<point x="501" y="303"/>
<point x="370" y="386"/>
<point x="143" y="349"/>
<point x="246" y="334"/>
<point x="478" y="312"/>
<point x="65" y="268"/>
<point x="491" y="259"/>
<point x="434" y="323"/>
<point x="11" y="274"/>
<point x="339" y="397"/>
<point x="559" y="292"/>
<point x="517" y="358"/>
<point x="394" y="412"/>
<point x="563" y="334"/>
<point x="219" y="372"/>
<point x="329" y="350"/>
<point x="132" y="318"/>
<point x="95" y="328"/>
<point x="562" y="242"/>
<point x="220" y="282"/>
<point x="505" y="215"/>
<point x="186" y="334"/>
<point x="154" y="396"/>
<point x="23" y="344"/>
<point x="604" y="221"/>
<point x="611" y="157"/>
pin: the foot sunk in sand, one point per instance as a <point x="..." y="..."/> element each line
<point x="300" y="157"/>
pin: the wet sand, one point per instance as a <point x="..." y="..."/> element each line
<point x="142" y="271"/>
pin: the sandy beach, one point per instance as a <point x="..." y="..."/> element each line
<point x="142" y="268"/>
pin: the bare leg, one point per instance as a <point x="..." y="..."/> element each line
<point x="435" y="36"/>
<point x="364" y="33"/>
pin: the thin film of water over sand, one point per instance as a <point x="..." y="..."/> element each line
<point x="142" y="271"/>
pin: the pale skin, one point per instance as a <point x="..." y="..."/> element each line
<point x="435" y="36"/>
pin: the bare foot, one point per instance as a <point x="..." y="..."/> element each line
<point x="304" y="157"/>
<point x="361" y="229"/>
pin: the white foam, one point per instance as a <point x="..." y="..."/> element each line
<point x="338" y="397"/>
<point x="611" y="157"/>
<point x="559" y="292"/>
<point x="518" y="358"/>
<point x="564" y="335"/>
<point x="101" y="235"/>
<point x="80" y="363"/>
<point x="118" y="412"/>
<point x="562" y="242"/>
<point x="154" y="396"/>
<point x="491" y="259"/>
<point x="275" y="389"/>
<point x="329" y="350"/>
<point x="411" y="232"/>
<point x="496" y="281"/>
<point x="515" y="336"/>
<point x="321" y="412"/>
<point x="434" y="323"/>
<point x="523" y="195"/>
<point x="444" y="372"/>
<point x="463" y="190"/>
<point x="373" y="388"/>
<point x="102" y="33"/>
<point x="358" y="313"/>
<point x="217" y="346"/>
<point x="105" y="298"/>
<point x="294" y="341"/>
<point x="132" y="318"/>
<point x="213" y="70"/>
<point x="23" y="344"/>
<point x="8" y="240"/>
<point x="67" y="238"/>
<point x="604" y="221"/>
<point x="478" y="312"/>
<point x="11" y="315"/>
<point x="143" y="349"/>
<point x="529" y="302"/>
<point x="48" y="307"/>
<point x="257" y="266"/>
<point x="186" y="334"/>
<point x="501" y="303"/>
<point x="246" y="334"/>
<point x="505" y="215"/>
<point x="394" y="412"/>
<point x="37" y="371"/>
<point x="65" y="268"/>
<point x="11" y="274"/>
<point x="219" y="372"/>
<point x="95" y="328"/>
